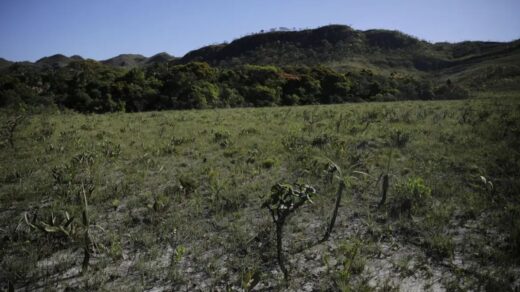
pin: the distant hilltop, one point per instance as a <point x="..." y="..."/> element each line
<point x="122" y="61"/>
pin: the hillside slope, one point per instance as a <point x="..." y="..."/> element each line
<point x="346" y="49"/>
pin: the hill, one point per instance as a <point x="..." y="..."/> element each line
<point x="136" y="60"/>
<point x="159" y="58"/>
<point x="323" y="45"/>
<point x="57" y="60"/>
<point x="125" y="60"/>
<point x="346" y="49"/>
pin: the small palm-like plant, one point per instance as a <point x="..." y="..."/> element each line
<point x="54" y="225"/>
<point x="284" y="200"/>
<point x="64" y="226"/>
<point x="334" y="171"/>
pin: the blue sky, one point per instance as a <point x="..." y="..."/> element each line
<point x="100" y="29"/>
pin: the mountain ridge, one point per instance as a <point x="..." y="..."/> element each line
<point x="347" y="44"/>
<point x="344" y="48"/>
<point x="120" y="61"/>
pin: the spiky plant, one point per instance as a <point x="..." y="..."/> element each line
<point x="54" y="225"/>
<point x="334" y="171"/>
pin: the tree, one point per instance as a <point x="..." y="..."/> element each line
<point x="260" y="95"/>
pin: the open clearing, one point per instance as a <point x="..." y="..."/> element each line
<point x="174" y="198"/>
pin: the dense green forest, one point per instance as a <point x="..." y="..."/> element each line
<point x="89" y="86"/>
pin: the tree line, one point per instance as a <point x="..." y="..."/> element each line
<point x="89" y="86"/>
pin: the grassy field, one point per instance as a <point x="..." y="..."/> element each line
<point x="174" y="199"/>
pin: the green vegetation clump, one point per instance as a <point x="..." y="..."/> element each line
<point x="412" y="194"/>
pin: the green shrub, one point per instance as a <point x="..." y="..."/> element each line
<point x="268" y="163"/>
<point x="413" y="189"/>
<point x="410" y="196"/>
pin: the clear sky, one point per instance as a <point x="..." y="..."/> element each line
<point x="100" y="29"/>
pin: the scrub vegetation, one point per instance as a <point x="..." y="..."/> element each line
<point x="408" y="194"/>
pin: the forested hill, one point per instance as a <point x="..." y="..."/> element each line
<point x="340" y="46"/>
<point x="331" y="64"/>
<point x="333" y="43"/>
